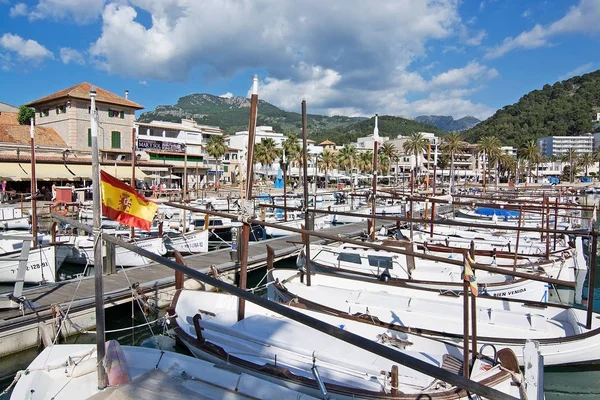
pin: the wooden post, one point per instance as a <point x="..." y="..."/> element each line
<point x="246" y="225"/>
<point x="110" y="262"/>
<point x="179" y="278"/>
<point x="473" y="311"/>
<point x="270" y="258"/>
<point x="394" y="380"/>
<point x="432" y="217"/>
<point x="305" y="170"/>
<point x="284" y="165"/>
<point x="518" y="238"/>
<point x="548" y="228"/>
<point x="465" y="328"/>
<point x="592" y="278"/>
<point x="555" y="220"/>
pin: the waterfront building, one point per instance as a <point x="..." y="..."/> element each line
<point x="68" y="113"/>
<point x="560" y="145"/>
<point x="5" y="107"/>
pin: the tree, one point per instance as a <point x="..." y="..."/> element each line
<point x="452" y="145"/>
<point x="531" y="154"/>
<point x="266" y="152"/>
<point x="490" y="147"/>
<point x="596" y="156"/>
<point x="586" y="160"/>
<point x="328" y="160"/>
<point x="25" y="115"/>
<point x="346" y="158"/>
<point x="292" y="148"/>
<point x="571" y="157"/>
<point x="383" y="163"/>
<point x="389" y="150"/>
<point x="416" y="144"/>
<point x="506" y="164"/>
<point x="365" y="161"/>
<point x="216" y="148"/>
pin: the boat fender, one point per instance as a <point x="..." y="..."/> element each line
<point x="162" y="249"/>
<point x="385" y="276"/>
<point x="116" y="364"/>
<point x="57" y="210"/>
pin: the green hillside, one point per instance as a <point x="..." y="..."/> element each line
<point x="565" y="108"/>
<point x="388" y="126"/>
<point x="232" y="114"/>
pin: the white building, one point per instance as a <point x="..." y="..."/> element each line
<point x="510" y="150"/>
<point x="560" y="145"/>
<point x="240" y="139"/>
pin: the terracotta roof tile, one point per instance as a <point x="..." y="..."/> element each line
<point x="326" y="143"/>
<point x="8" y="118"/>
<point x="82" y="91"/>
<point x="19" y="134"/>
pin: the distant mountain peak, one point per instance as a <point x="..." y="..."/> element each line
<point x="448" y="123"/>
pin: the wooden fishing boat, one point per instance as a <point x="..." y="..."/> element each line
<point x="69" y="372"/>
<point x="42" y="265"/>
<point x="408" y="270"/>
<point x="560" y="330"/>
<point x="275" y="348"/>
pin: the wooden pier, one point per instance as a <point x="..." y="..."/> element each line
<point x="26" y="328"/>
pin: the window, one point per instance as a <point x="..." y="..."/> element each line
<point x="45" y="112"/>
<point x="61" y="109"/>
<point x="122" y="114"/>
<point x="89" y="137"/>
<point x="115" y="139"/>
<point x="116" y="114"/>
<point x="349" y="257"/>
<point x="380" y="261"/>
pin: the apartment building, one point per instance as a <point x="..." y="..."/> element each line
<point x="561" y="145"/>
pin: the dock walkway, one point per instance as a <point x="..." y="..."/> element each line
<point x="20" y="331"/>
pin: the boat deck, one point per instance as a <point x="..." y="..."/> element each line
<point x="151" y="278"/>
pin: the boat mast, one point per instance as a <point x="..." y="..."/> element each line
<point x="133" y="159"/>
<point x="250" y="174"/>
<point x="33" y="187"/>
<point x="373" y="202"/>
<point x="308" y="225"/>
<point x="98" y="272"/>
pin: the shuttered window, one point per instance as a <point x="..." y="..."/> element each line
<point x="115" y="140"/>
<point x="89" y="137"/>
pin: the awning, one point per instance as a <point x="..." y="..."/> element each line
<point x="15" y="171"/>
<point x="52" y="172"/>
<point x="153" y="169"/>
<point x="81" y="171"/>
<point x="123" y="172"/>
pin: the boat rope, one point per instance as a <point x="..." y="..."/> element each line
<point x="221" y="239"/>
<point x="13" y="383"/>
<point x="259" y="285"/>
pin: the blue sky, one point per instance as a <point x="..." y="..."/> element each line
<point x="348" y="57"/>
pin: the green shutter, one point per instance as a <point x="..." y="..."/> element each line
<point x="110" y="113"/>
<point x="89" y="137"/>
<point x="122" y="114"/>
<point x="225" y="168"/>
<point x="116" y="140"/>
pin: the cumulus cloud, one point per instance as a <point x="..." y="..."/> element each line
<point x="330" y="53"/>
<point x="79" y="11"/>
<point x="582" y="18"/>
<point x="68" y="55"/>
<point x="18" y="10"/>
<point x="227" y="95"/>
<point x="143" y="83"/>
<point x="28" y="50"/>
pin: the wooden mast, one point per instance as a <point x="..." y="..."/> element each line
<point x="373" y="201"/>
<point x="250" y="173"/>
<point x="33" y="187"/>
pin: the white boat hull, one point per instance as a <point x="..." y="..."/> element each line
<point x="41" y="266"/>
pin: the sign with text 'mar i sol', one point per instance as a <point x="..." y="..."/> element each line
<point x="159" y="145"/>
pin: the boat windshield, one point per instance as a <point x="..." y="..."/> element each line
<point x="380" y="261"/>
<point x="349" y="257"/>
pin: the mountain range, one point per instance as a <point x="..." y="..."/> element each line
<point x="448" y="123"/>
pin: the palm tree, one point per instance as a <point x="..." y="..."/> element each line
<point x="571" y="158"/>
<point x="416" y="144"/>
<point x="346" y="158"/>
<point x="216" y="148"/>
<point x="531" y="154"/>
<point x="452" y="145"/>
<point x="365" y="161"/>
<point x="266" y="152"/>
<point x="292" y="148"/>
<point x="383" y="163"/>
<point x="596" y="155"/>
<point x="586" y="160"/>
<point x="490" y="147"/>
<point x="328" y="161"/>
<point x="388" y="149"/>
<point x="506" y="164"/>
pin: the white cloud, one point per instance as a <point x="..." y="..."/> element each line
<point x="477" y="39"/>
<point x="227" y="95"/>
<point x="68" y="55"/>
<point x="463" y="76"/>
<point x="80" y="11"/>
<point x="29" y="50"/>
<point x="143" y="83"/>
<point x="582" y="18"/>
<point x="582" y="69"/>
<point x="18" y="10"/>
<point x="526" y="13"/>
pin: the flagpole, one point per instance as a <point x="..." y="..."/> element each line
<point x="133" y="170"/>
<point x="33" y="187"/>
<point x="98" y="270"/>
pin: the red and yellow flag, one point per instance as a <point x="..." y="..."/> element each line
<point x="122" y="203"/>
<point x="469" y="275"/>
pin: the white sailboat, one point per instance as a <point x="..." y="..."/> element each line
<point x="187" y="243"/>
<point x="560" y="330"/>
<point x="42" y="265"/>
<point x="279" y="349"/>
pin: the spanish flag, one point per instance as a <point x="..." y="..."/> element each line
<point x="122" y="203"/>
<point x="469" y="275"/>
